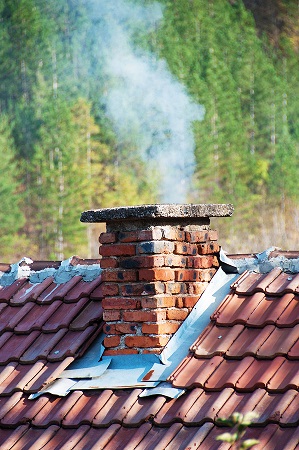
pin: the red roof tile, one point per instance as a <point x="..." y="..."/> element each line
<point x="245" y="360"/>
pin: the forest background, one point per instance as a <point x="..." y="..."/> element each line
<point x="113" y="103"/>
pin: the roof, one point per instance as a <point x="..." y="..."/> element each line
<point x="245" y="359"/>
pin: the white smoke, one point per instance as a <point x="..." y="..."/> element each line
<point x="147" y="106"/>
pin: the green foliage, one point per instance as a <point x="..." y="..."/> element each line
<point x="11" y="217"/>
<point x="239" y="423"/>
<point x="59" y="151"/>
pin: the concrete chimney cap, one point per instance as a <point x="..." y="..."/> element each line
<point x="162" y="211"/>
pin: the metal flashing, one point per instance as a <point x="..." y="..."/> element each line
<point x="164" y="389"/>
<point x="260" y="262"/>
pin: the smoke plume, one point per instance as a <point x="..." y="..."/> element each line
<point x="148" y="107"/>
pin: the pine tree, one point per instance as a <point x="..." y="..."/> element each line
<point x="11" y="217"/>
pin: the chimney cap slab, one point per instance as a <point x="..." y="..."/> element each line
<point x="157" y="211"/>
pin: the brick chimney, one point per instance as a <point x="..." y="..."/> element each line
<point x="156" y="260"/>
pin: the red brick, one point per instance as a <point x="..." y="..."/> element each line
<point x="208" y="248"/>
<point x="155" y="351"/>
<point x="175" y="288"/>
<point x="118" y="250"/>
<point x="207" y="274"/>
<point x="157" y="274"/>
<point x="111" y="341"/>
<point x="175" y="261"/>
<point x="120" y="303"/>
<point x="150" y="235"/>
<point x="127" y="236"/>
<point x="201" y="236"/>
<point x="160" y="328"/>
<point x="136" y="262"/>
<point x="120" y="328"/>
<point x="111" y="315"/>
<point x="109" y="263"/>
<point x="189" y="301"/>
<point x="158" y="302"/>
<point x="176" y="314"/>
<point x="197" y="288"/>
<point x="179" y="303"/>
<point x="188" y="275"/>
<point x="119" y="275"/>
<point x="121" y="351"/>
<point x="151" y="247"/>
<point x="146" y="341"/>
<point x="144" y="316"/>
<point x="143" y="289"/>
<point x="173" y="233"/>
<point x="110" y="289"/>
<point x="107" y="238"/>
<point x="184" y="248"/>
<point x="203" y="262"/>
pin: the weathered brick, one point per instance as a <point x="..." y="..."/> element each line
<point x="127" y="236"/>
<point x="146" y="341"/>
<point x="157" y="274"/>
<point x="190" y="301"/>
<point x="194" y="275"/>
<point x="207" y="274"/>
<point x="111" y="341"/>
<point x="120" y="328"/>
<point x="176" y="314"/>
<point x="175" y="261"/>
<point x="110" y="289"/>
<point x="107" y="238"/>
<point x="184" y="248"/>
<point x="143" y="288"/>
<point x="144" y="316"/>
<point x="122" y="303"/>
<point x="203" y="261"/>
<point x="197" y="288"/>
<point x="121" y="351"/>
<point x="173" y="233"/>
<point x="136" y="262"/>
<point x="160" y="328"/>
<point x="111" y="315"/>
<point x="119" y="275"/>
<point x="118" y="250"/>
<point x="175" y="288"/>
<point x="201" y="236"/>
<point x="158" y="302"/>
<point x="208" y="248"/>
<point x="188" y="275"/>
<point x="153" y="350"/>
<point x="151" y="247"/>
<point x="109" y="263"/>
<point x="150" y="235"/>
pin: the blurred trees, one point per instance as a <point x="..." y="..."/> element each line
<point x="58" y="149"/>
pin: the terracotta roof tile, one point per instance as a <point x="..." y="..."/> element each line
<point x="63" y="315"/>
<point x="7" y="292"/>
<point x="30" y="291"/>
<point x="246" y="359"/>
<point x="58" y="291"/>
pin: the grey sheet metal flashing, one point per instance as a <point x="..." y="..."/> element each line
<point x="164" y="388"/>
<point x="144" y="370"/>
<point x="62" y="274"/>
<point x="178" y="346"/>
<point x="260" y="263"/>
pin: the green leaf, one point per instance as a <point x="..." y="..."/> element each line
<point x="226" y="437"/>
<point x="249" y="443"/>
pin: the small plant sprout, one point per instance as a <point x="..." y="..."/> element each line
<point x="239" y="422"/>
